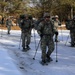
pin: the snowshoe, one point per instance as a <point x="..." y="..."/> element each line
<point x="24" y="50"/>
<point x="27" y="47"/>
<point x="43" y="63"/>
<point x="8" y="33"/>
<point x="49" y="59"/>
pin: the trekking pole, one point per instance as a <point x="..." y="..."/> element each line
<point x="20" y="40"/>
<point x="61" y="33"/>
<point x="34" y="38"/>
<point x="36" y="50"/>
<point x="56" y="49"/>
<point x="67" y="40"/>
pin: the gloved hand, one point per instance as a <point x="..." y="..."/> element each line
<point x="59" y="24"/>
<point x="32" y="26"/>
<point x="56" y="40"/>
<point x="56" y="33"/>
<point x="41" y="35"/>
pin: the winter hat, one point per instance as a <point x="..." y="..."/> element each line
<point x="46" y="15"/>
<point x="56" y="16"/>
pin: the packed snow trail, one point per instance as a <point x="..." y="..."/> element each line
<point x="24" y="60"/>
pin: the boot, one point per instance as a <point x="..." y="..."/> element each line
<point x="27" y="47"/>
<point x="24" y="50"/>
<point x="43" y="62"/>
<point x="8" y="33"/>
<point x="56" y="40"/>
<point x="72" y="45"/>
<point x="49" y="59"/>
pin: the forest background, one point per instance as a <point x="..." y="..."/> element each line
<point x="63" y="8"/>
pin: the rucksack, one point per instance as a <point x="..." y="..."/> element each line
<point x="69" y="24"/>
<point x="38" y="22"/>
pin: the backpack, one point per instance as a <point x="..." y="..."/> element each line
<point x="38" y="22"/>
<point x="69" y="24"/>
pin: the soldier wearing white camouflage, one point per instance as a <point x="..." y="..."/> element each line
<point x="56" y="25"/>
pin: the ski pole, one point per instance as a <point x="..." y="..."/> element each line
<point x="61" y="33"/>
<point x="56" y="50"/>
<point x="36" y="50"/>
<point x="20" y="40"/>
<point x="34" y="38"/>
<point x="67" y="40"/>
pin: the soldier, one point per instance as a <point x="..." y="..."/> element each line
<point x="46" y="31"/>
<point x="25" y="25"/>
<point x="56" y="24"/>
<point x="8" y="24"/>
<point x="70" y="25"/>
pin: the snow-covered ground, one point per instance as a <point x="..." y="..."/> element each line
<point x="15" y="62"/>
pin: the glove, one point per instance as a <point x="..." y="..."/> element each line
<point x="32" y="26"/>
<point x="59" y="24"/>
<point x="56" y="33"/>
<point x="41" y="35"/>
<point x="56" y="40"/>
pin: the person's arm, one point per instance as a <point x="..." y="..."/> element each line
<point x="59" y="23"/>
<point x="40" y="29"/>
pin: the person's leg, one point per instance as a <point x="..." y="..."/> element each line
<point x="8" y="29"/>
<point x="72" y="38"/>
<point x="23" y="40"/>
<point x="50" y="49"/>
<point x="28" y="41"/>
<point x="43" y="48"/>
